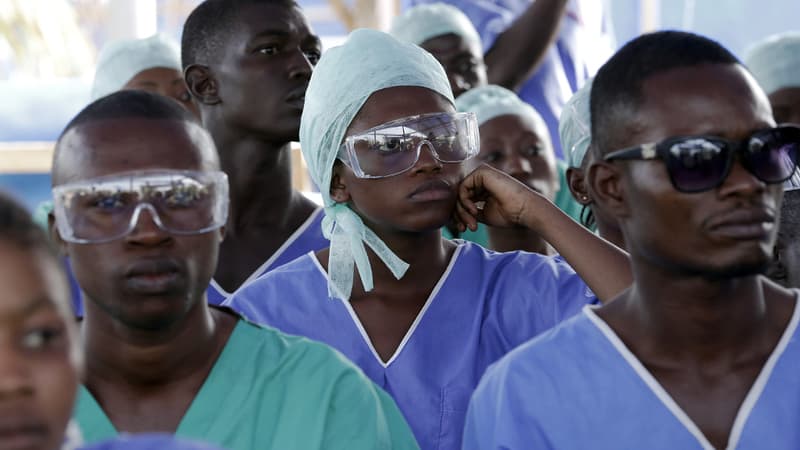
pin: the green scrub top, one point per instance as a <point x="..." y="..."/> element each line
<point x="269" y="390"/>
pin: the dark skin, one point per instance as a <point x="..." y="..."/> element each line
<point x="462" y="61"/>
<point x="514" y="56"/>
<point x="252" y="126"/>
<point x="150" y="338"/>
<point x="607" y="227"/>
<point x="410" y="227"/>
<point x="408" y="210"/>
<point x="40" y="359"/>
<point x="786" y="105"/>
<point x="699" y="316"/>
<point x="518" y="51"/>
<point x="164" y="81"/>
<point x="520" y="147"/>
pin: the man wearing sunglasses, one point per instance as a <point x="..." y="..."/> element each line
<point x="140" y="206"/>
<point x="702" y="351"/>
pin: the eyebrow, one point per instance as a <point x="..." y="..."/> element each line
<point x="28" y="309"/>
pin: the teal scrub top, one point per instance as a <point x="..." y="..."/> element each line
<point x="269" y="390"/>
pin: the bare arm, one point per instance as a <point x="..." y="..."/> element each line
<point x="496" y="199"/>
<point x="520" y="49"/>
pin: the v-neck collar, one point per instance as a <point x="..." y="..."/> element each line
<point x="271" y="260"/>
<point x="747" y="406"/>
<point x="363" y="332"/>
<point x="195" y="418"/>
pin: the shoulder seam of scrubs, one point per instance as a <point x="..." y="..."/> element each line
<point x="263" y="267"/>
<point x="365" y="337"/>
<point x="648" y="378"/>
<point x="761" y="382"/>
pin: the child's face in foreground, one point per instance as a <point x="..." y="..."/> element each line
<point x="39" y="363"/>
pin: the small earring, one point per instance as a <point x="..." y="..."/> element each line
<point x="584" y="198"/>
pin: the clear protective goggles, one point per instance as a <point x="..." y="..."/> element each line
<point x="394" y="147"/>
<point x="107" y="208"/>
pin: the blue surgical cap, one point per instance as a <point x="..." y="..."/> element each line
<point x="341" y="83"/>
<point x="775" y="62"/>
<point x="428" y="21"/>
<point x="120" y="61"/>
<point x="488" y="102"/>
<point x="575" y="126"/>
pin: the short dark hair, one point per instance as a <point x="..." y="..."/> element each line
<point x="617" y="88"/>
<point x="131" y="104"/>
<point x="125" y="104"/>
<point x="209" y="25"/>
<point x="17" y="226"/>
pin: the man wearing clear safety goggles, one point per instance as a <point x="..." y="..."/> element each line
<point x="394" y="147"/>
<point x="140" y="207"/>
<point x="107" y="208"/>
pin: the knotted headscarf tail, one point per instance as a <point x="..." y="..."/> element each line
<point x="341" y="83"/>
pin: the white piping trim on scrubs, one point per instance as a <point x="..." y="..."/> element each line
<point x="417" y="320"/>
<point x="761" y="382"/>
<point x="744" y="410"/>
<point x="263" y="267"/>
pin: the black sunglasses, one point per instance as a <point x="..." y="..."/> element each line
<point x="701" y="163"/>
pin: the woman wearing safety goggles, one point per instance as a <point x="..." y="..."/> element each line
<point x="421" y="315"/>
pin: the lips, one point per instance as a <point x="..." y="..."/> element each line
<point x="22" y="433"/>
<point x="433" y="190"/>
<point x="153" y="276"/>
<point x="297" y="96"/>
<point x="744" y="223"/>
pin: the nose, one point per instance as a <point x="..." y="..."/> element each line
<point x="145" y="229"/>
<point x="300" y="67"/>
<point x="427" y="162"/>
<point x="517" y="166"/>
<point x="15" y="379"/>
<point x="458" y="84"/>
<point x="741" y="182"/>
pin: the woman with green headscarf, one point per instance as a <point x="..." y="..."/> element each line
<point x="421" y="315"/>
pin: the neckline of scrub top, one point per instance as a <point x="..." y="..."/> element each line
<point x="666" y="399"/>
<point x="410" y="332"/>
<point x="189" y="425"/>
<point x="263" y="267"/>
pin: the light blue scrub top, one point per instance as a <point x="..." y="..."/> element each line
<point x="308" y="237"/>
<point x="485" y="304"/>
<point x="579" y="387"/>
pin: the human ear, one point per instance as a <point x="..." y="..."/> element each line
<point x="576" y="181"/>
<point x="202" y="84"/>
<point x="55" y="237"/>
<point x="338" y="191"/>
<point x="607" y="190"/>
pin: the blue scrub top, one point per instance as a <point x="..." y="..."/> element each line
<point x="485" y="304"/>
<point x="578" y="387"/>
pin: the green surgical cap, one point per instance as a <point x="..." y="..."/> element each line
<point x="488" y="102"/>
<point x="122" y="60"/>
<point x="428" y="21"/>
<point x="341" y="83"/>
<point x="775" y="62"/>
<point x="574" y="126"/>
